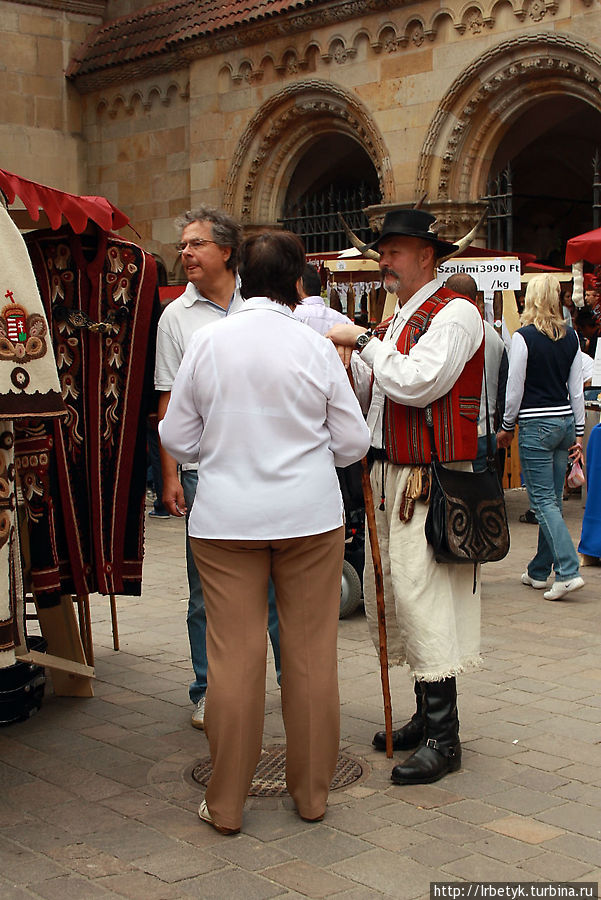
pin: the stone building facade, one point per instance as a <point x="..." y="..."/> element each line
<point x="258" y="106"/>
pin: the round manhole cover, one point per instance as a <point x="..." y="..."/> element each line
<point x="270" y="777"/>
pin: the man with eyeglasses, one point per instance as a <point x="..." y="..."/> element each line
<point x="208" y="245"/>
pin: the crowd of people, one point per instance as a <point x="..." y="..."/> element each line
<point x="257" y="413"/>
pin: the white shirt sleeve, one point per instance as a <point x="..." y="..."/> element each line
<point x="181" y="429"/>
<point x="576" y="392"/>
<point x="349" y="433"/>
<point x="168" y="357"/>
<point x="434" y="364"/>
<point x="518" y="361"/>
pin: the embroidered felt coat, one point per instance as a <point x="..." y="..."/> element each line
<point x="84" y="478"/>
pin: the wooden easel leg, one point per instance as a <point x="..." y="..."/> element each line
<point x="58" y="625"/>
<point x="114" y="622"/>
<point x="86" y="635"/>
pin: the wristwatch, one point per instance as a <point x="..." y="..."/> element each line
<point x="363" y="340"/>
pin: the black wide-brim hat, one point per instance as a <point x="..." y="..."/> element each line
<point x="413" y="223"/>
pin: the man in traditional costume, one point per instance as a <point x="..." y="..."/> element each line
<point x="429" y="353"/>
<point x="208" y="247"/>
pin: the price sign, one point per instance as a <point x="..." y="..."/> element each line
<point x="502" y="274"/>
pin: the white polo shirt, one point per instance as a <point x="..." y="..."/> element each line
<point x="184" y="315"/>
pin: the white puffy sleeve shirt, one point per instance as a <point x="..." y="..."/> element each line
<point x="264" y="405"/>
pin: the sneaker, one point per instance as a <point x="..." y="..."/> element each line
<point x="205" y="815"/>
<point x="561" y="588"/>
<point x="159" y="514"/>
<point x="198" y="716"/>
<point x="533" y="583"/>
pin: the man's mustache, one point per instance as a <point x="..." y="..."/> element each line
<point x="386" y="270"/>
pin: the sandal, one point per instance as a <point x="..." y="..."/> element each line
<point x="529" y="518"/>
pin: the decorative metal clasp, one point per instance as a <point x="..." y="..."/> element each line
<point x="79" y="319"/>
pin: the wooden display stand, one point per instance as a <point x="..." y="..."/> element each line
<point x="71" y="670"/>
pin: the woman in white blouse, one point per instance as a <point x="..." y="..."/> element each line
<point x="264" y="405"/>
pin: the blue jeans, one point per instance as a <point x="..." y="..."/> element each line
<point x="197" y="617"/>
<point x="544" y="445"/>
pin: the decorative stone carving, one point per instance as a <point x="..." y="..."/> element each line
<point x="302" y="26"/>
<point x="297" y="110"/>
<point x="487" y="84"/>
<point x="146" y="97"/>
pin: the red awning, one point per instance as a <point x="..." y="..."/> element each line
<point x="56" y="204"/>
<point x="585" y="246"/>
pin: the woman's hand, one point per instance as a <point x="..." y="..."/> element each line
<point x="504" y="439"/>
<point x="575" y="452"/>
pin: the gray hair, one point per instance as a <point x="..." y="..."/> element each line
<point x="226" y="232"/>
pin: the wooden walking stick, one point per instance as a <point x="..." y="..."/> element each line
<point x="370" y="514"/>
<point x="381" y="612"/>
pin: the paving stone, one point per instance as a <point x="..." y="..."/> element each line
<point x="403" y="814"/>
<point x="482" y="868"/>
<point x="307" y="879"/>
<point x="232" y="884"/>
<point x="351" y="820"/>
<point x="433" y="852"/>
<point x="273" y="825"/>
<point x="323" y="846"/>
<point x="472" y="811"/>
<point x="130" y="841"/>
<point x="577" y="817"/>
<point x="139" y="886"/>
<point x="524" y="801"/>
<point x="9" y="891"/>
<point x="72" y="887"/>
<point x="386" y="872"/>
<point x="556" y="867"/>
<point x="249" y="853"/>
<point x="452" y="830"/>
<point x="395" y="837"/>
<point x="178" y="864"/>
<point x="524" y="829"/>
<point x="507" y="849"/>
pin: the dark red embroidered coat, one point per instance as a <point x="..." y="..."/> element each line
<point x="84" y="478"/>
<point x="455" y="415"/>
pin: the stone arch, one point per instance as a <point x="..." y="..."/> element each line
<point x="281" y="132"/>
<point x="481" y="104"/>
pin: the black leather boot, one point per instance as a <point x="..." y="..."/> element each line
<point x="411" y="734"/>
<point x="440" y="753"/>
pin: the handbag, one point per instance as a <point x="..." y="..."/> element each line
<point x="467" y="518"/>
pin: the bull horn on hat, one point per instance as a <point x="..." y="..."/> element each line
<point x="357" y="243"/>
<point x="373" y="254"/>
<point x="464" y="241"/>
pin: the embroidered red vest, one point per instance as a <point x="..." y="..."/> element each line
<point x="455" y="415"/>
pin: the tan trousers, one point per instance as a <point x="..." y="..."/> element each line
<point x="307" y="574"/>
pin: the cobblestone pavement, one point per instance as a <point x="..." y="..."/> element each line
<point x="98" y="799"/>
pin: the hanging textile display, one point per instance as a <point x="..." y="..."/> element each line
<point x="84" y="478"/>
<point x="29" y="386"/>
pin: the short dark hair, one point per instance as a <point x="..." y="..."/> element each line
<point x="311" y="281"/>
<point x="271" y="263"/>
<point x="225" y="230"/>
<point x="463" y="284"/>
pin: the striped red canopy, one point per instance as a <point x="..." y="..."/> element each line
<point x="56" y="204"/>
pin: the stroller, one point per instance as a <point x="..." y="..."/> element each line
<point x="351" y="590"/>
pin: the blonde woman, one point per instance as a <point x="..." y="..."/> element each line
<point x="545" y="397"/>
